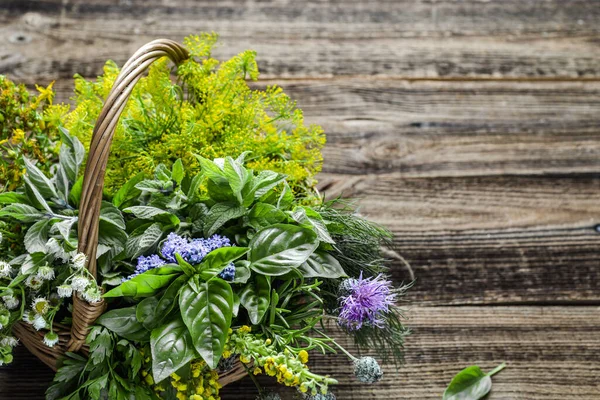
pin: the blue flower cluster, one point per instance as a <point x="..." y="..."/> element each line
<point x="192" y="251"/>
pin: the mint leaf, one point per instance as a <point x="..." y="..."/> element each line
<point x="471" y="384"/>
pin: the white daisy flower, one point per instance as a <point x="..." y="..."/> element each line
<point x="79" y="261"/>
<point x="80" y="283"/>
<point x="40" y="305"/>
<point x="92" y="295"/>
<point x="64" y="291"/>
<point x="33" y="282"/>
<point x="46" y="273"/>
<point x="50" y="339"/>
<point x="9" y="341"/>
<point x="29" y="317"/>
<point x="11" y="302"/>
<point x="39" y="322"/>
<point x="5" y="269"/>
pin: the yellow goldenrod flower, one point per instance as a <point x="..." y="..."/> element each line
<point x="303" y="356"/>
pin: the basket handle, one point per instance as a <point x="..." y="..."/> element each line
<point x="85" y="314"/>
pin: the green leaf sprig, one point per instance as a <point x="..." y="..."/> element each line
<point x="471" y="384"/>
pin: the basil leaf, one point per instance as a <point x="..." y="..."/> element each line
<point x="255" y="298"/>
<point x="185" y="266"/>
<point x="146" y="284"/>
<point x="470" y="384"/>
<point x="172" y="348"/>
<point x="220" y="214"/>
<point x="215" y="261"/>
<point x="21" y="212"/>
<point x="322" y="265"/>
<point x="276" y="250"/>
<point x="207" y="310"/>
<point x="123" y="322"/>
<point x="153" y="312"/>
<point x="263" y="215"/>
<point x="242" y="271"/>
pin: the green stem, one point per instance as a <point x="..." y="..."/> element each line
<point x="336" y="344"/>
<point x="497" y="369"/>
<point x="251" y="375"/>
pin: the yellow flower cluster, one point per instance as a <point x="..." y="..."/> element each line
<point x="211" y="111"/>
<point x="201" y="384"/>
<point x="27" y="129"/>
<point x="288" y="366"/>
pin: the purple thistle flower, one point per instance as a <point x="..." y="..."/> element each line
<point x="174" y="244"/>
<point x="363" y="302"/>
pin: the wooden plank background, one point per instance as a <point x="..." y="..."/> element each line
<point x="470" y="128"/>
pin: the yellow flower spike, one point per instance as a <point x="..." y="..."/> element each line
<point x="199" y="389"/>
<point x="303" y="356"/>
<point x="149" y="380"/>
<point x="144" y="373"/>
<point x="182" y="387"/>
<point x="268" y="341"/>
<point x="195" y="397"/>
<point x="181" y="396"/>
<point x="226" y="354"/>
<point x="257" y="371"/>
<point x="304" y="388"/>
<point x="245" y="329"/>
<point x="245" y="359"/>
<point x="175" y="377"/>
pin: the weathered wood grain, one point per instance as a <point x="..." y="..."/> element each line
<point x="489" y="239"/>
<point x="409" y="39"/>
<point x="552" y="353"/>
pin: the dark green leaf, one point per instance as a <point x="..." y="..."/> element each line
<point x="322" y="265"/>
<point x="255" y="298"/>
<point x="278" y="249"/>
<point x="192" y="193"/>
<point x="138" y="245"/>
<point x="75" y="195"/>
<point x="21" y="212"/>
<point x="128" y="191"/>
<point x="112" y="215"/>
<point x="146" y="284"/>
<point x="185" y="266"/>
<point x="220" y="214"/>
<point x="153" y="186"/>
<point x="152" y="213"/>
<point x="35" y="197"/>
<point x="163" y="307"/>
<point x="242" y="271"/>
<point x="263" y="215"/>
<point x="470" y="384"/>
<point x="207" y="309"/>
<point x="171" y="346"/>
<point x="145" y="311"/>
<point x="215" y="261"/>
<point x="123" y="322"/>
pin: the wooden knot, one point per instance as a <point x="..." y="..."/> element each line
<point x="84" y="315"/>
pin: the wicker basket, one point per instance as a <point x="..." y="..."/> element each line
<point x="84" y="314"/>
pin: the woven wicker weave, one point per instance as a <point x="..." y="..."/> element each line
<point x="84" y="314"/>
